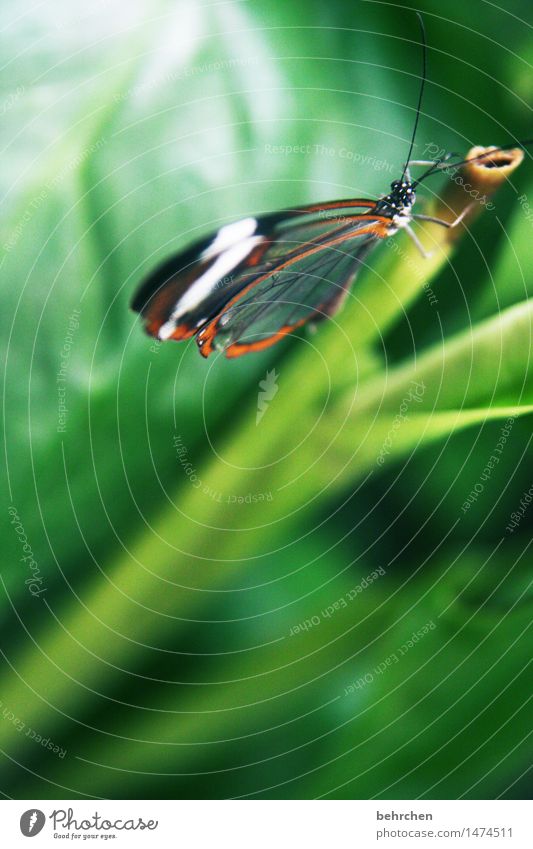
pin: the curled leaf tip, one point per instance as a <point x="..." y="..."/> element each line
<point x="472" y="184"/>
<point x="490" y="166"/>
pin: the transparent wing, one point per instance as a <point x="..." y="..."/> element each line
<point x="188" y="291"/>
<point x="311" y="285"/>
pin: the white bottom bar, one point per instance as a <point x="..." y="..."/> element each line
<point x="269" y="824"/>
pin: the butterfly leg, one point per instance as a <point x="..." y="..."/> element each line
<point x="448" y="224"/>
<point x="412" y="235"/>
<point x="421" y="162"/>
<point x="426" y="162"/>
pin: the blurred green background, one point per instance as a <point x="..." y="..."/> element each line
<point x="159" y="654"/>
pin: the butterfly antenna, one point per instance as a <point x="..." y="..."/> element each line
<point x="421" y="92"/>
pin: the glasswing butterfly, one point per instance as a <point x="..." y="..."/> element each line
<point x="258" y="279"/>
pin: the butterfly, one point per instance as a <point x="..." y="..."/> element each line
<point x="258" y="279"/>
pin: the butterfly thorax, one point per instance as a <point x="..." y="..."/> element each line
<point x="398" y="202"/>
